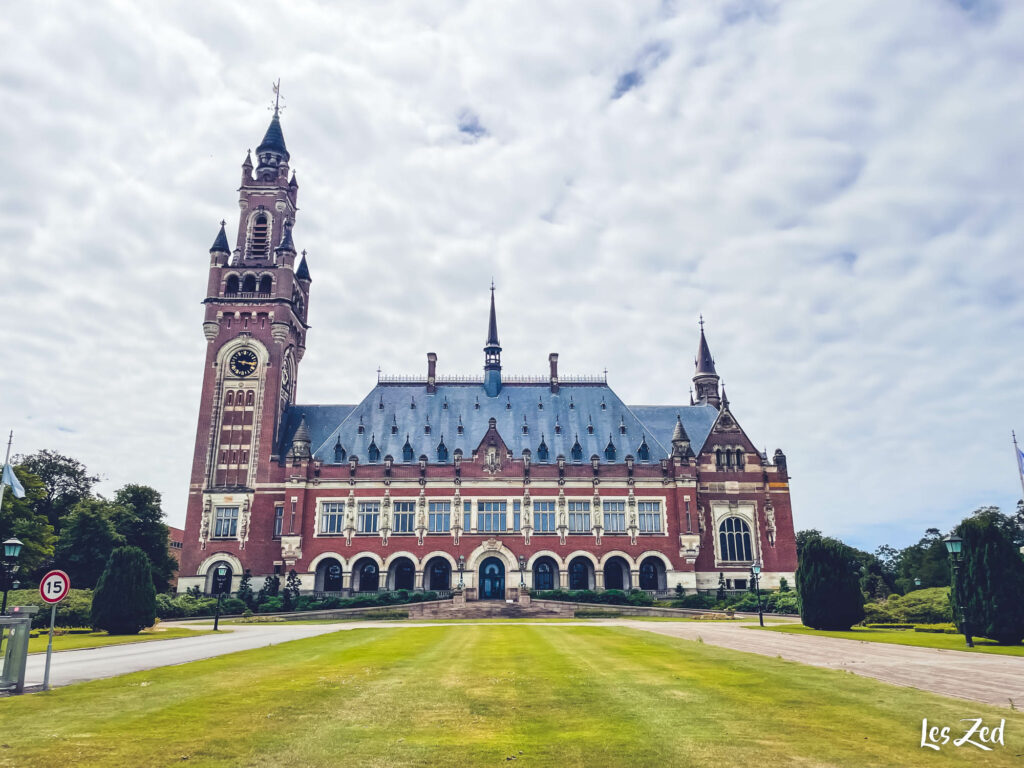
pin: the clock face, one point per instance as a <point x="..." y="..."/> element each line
<point x="243" y="362"/>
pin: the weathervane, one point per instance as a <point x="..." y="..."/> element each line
<point x="702" y="321"/>
<point x="277" y="97"/>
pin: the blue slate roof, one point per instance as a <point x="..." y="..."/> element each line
<point x="387" y="418"/>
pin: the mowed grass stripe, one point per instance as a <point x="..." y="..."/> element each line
<point x="474" y="695"/>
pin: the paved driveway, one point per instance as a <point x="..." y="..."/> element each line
<point x="990" y="678"/>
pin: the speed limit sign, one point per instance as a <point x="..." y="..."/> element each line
<point x="54" y="586"/>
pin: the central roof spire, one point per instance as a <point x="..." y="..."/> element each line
<point x="492" y="354"/>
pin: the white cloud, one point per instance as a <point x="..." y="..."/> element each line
<point x="835" y="186"/>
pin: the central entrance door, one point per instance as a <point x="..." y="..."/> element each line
<point x="492" y="579"/>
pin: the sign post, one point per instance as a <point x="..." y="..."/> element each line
<point x="53" y="588"/>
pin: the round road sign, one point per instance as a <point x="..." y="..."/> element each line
<point x="54" y="586"/>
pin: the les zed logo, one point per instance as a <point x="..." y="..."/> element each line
<point x="976" y="735"/>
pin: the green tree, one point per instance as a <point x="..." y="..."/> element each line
<point x="88" y="538"/>
<point x="291" y="589"/>
<point x="22" y="519"/>
<point x="828" y="582"/>
<point x="124" y="601"/>
<point x="142" y="525"/>
<point x="245" y="593"/>
<point x="927" y="560"/>
<point x="66" y="480"/>
<point x="990" y="582"/>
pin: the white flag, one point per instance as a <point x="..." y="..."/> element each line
<point x="11" y="479"/>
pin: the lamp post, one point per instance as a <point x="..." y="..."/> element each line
<point x="462" y="567"/>
<point x="522" y="572"/>
<point x="917" y="582"/>
<point x="12" y="551"/>
<point x="954" y="546"/>
<point x="755" y="572"/>
<point x="219" y="577"/>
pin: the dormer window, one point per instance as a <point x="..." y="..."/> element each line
<point x="577" y="451"/>
<point x="373" y="452"/>
<point x="542" y="450"/>
<point x="407" y="453"/>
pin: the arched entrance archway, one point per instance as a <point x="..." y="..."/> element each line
<point x="492" y="579"/>
<point x="616" y="574"/>
<point x="365" y="576"/>
<point x="402" y="574"/>
<point x="545" y="574"/>
<point x="652" y="574"/>
<point x="580" y="570"/>
<point x="328" y="575"/>
<point x="438" y="574"/>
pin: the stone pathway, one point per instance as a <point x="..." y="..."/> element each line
<point x="990" y="678"/>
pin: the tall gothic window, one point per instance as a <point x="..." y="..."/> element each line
<point x="734" y="540"/>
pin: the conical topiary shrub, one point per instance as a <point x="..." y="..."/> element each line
<point x="829" y="586"/>
<point x="124" y="601"/>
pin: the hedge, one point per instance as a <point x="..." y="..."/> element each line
<point x="922" y="606"/>
<point x="73" y="611"/>
<point x="607" y="597"/>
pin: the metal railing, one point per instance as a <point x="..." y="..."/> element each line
<point x="389" y="378"/>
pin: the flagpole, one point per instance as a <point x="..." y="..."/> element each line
<point x="1020" y="462"/>
<point x="7" y="458"/>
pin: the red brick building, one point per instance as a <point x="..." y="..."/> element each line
<point x="175" y="542"/>
<point x="492" y="481"/>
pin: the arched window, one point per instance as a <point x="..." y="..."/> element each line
<point x="232" y="285"/>
<point x="577" y="451"/>
<point x="339" y="452"/>
<point x="250" y="397"/>
<point x="265" y="283"/>
<point x="719" y="463"/>
<point x="407" y="452"/>
<point x="649" y="573"/>
<point x="734" y="540"/>
<point x="260" y="236"/>
<point x="249" y="284"/>
<point x="739" y="458"/>
<point x="240" y="397"/>
<point x="369" y="577"/>
<point x="442" y="451"/>
<point x="542" y="450"/>
<point x="579" y="574"/>
<point x="543" y="575"/>
<point x="230" y="400"/>
<point x="373" y="452"/>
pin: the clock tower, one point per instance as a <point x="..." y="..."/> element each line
<point x="256" y="307"/>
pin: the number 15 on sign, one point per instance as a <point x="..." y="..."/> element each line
<point x="53" y="588"/>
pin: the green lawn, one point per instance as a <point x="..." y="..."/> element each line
<point x="906" y="637"/>
<point x="95" y="639"/>
<point x="475" y="695"/>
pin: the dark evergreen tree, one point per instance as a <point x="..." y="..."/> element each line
<point x="271" y="586"/>
<point x="125" y="601"/>
<point x="244" y="592"/>
<point x="291" y="590"/>
<point x="141" y="522"/>
<point x="828" y="582"/>
<point x="990" y="582"/>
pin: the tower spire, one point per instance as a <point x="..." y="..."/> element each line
<point x="492" y="353"/>
<point x="705" y="377"/>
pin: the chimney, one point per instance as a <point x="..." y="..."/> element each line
<point x="431" y="373"/>
<point x="553" y="362"/>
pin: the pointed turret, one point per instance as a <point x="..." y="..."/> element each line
<point x="301" y="442"/>
<point x="680" y="440"/>
<point x="705" y="377"/>
<point x="492" y="354"/>
<point x="220" y="244"/>
<point x="302" y="273"/>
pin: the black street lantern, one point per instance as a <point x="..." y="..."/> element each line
<point x="462" y="567"/>
<point x="219" y="579"/>
<point x="522" y="572"/>
<point x="9" y="566"/>
<point x="954" y="546"/>
<point x="755" y="573"/>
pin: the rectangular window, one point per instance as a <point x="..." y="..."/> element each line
<point x="225" y="523"/>
<point x="614" y="517"/>
<point x="405" y="512"/>
<point x="440" y="515"/>
<point x="369" y="516"/>
<point x="544" y="517"/>
<point x="491" y="516"/>
<point x="332" y="517"/>
<point x="650" y="516"/>
<point x="278" y="521"/>
<point x="579" y="517"/>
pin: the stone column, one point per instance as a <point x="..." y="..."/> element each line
<point x="563" y="580"/>
<point x="418" y="580"/>
<point x="634" y="580"/>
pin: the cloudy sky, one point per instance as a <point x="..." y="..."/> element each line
<point x="837" y="187"/>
